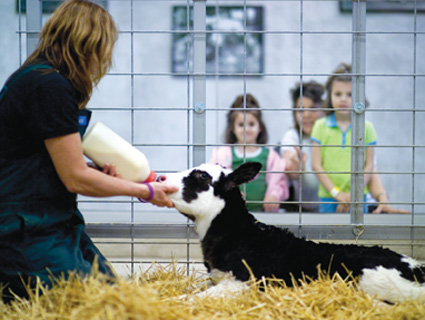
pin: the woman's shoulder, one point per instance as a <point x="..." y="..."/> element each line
<point x="51" y="77"/>
<point x="30" y="80"/>
<point x="40" y="72"/>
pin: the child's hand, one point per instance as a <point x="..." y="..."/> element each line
<point x="302" y="156"/>
<point x="343" y="208"/>
<point x="293" y="159"/>
<point x="271" y="207"/>
<point x="343" y="197"/>
<point x="387" y="208"/>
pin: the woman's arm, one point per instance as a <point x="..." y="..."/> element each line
<point x="66" y="153"/>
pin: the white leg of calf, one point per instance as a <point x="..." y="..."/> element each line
<point x="220" y="285"/>
<point x="226" y="288"/>
<point x="388" y="285"/>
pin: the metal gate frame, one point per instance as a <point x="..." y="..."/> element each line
<point x="411" y="234"/>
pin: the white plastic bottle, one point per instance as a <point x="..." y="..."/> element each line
<point x="102" y="145"/>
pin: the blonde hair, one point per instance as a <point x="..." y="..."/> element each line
<point x="78" y="41"/>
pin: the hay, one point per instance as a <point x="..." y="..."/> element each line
<point x="156" y="294"/>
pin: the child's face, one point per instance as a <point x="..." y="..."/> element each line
<point x="341" y="95"/>
<point x="252" y="128"/>
<point x="309" y="115"/>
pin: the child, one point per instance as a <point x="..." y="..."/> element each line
<point x="335" y="130"/>
<point x="311" y="98"/>
<point x="247" y="129"/>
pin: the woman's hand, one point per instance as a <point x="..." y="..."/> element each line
<point x="271" y="207"/>
<point x="160" y="194"/>
<point x="160" y="190"/>
<point x="110" y="170"/>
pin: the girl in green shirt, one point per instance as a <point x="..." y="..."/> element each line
<point x="332" y="161"/>
<point x="247" y="132"/>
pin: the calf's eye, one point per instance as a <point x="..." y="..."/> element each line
<point x="204" y="176"/>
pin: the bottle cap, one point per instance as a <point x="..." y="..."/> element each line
<point x="151" y="177"/>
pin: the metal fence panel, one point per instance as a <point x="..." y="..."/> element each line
<point x="195" y="118"/>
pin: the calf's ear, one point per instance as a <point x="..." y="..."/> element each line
<point x="244" y="173"/>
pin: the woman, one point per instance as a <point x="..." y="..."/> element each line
<point x="42" y="167"/>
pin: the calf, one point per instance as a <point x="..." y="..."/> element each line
<point x="236" y="244"/>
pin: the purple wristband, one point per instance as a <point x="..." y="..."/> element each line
<point x="152" y="193"/>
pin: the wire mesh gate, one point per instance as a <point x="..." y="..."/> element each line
<point x="131" y="234"/>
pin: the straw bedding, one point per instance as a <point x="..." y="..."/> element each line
<point x="157" y="294"/>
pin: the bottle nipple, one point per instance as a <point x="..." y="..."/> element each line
<point x="151" y="177"/>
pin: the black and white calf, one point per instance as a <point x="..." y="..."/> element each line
<point x="233" y="239"/>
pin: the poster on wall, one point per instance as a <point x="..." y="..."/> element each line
<point x="234" y="41"/>
<point x="385" y="6"/>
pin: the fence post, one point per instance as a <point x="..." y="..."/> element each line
<point x="33" y="12"/>
<point x="357" y="114"/>
<point x="199" y="84"/>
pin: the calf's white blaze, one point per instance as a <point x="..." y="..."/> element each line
<point x="206" y="206"/>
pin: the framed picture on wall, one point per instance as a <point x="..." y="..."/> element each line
<point x="385" y="6"/>
<point x="231" y="50"/>
<point x="49" y="6"/>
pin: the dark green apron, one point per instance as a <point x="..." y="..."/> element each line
<point x="41" y="229"/>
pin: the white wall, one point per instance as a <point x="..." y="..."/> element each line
<point x="387" y="53"/>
